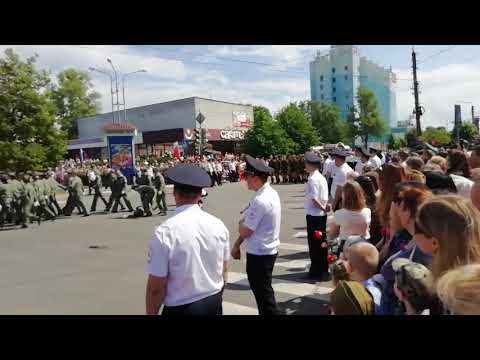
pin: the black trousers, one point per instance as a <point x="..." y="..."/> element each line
<point x="97" y="195"/>
<point x="259" y="272"/>
<point x="211" y="305"/>
<point x="318" y="255"/>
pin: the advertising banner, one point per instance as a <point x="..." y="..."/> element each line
<point x="121" y="156"/>
<point x="240" y="119"/>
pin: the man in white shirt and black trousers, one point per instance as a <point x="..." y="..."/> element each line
<point x="188" y="255"/>
<point x="260" y="229"/>
<point x="316" y="207"/>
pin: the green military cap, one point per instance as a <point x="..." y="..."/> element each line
<point x="415" y="281"/>
<point x="11" y="173"/>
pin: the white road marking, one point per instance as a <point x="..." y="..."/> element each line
<point x="300" y="234"/>
<point x="294" y="264"/>
<point x="237" y="309"/>
<point x="295" y="247"/>
<point x="285" y="286"/>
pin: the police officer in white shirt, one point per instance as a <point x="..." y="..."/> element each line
<point x="363" y="160"/>
<point x="316" y="207"/>
<point x="260" y="229"/>
<point x="375" y="158"/>
<point x="340" y="172"/>
<point x="188" y="255"/>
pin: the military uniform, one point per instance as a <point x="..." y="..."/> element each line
<point x="119" y="191"/>
<point x="53" y="187"/>
<point x="42" y="196"/>
<point x="6" y="200"/>
<point x="94" y="183"/>
<point x="18" y="190"/>
<point x="75" y="189"/>
<point x="28" y="201"/>
<point x="146" y="190"/>
<point x="284" y="169"/>
<point x="159" y="184"/>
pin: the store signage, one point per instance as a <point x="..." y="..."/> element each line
<point x="231" y="135"/>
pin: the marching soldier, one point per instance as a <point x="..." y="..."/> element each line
<point x="260" y="229"/>
<point x="18" y="190"/>
<point x="119" y="191"/>
<point x="145" y="189"/>
<point x="159" y="183"/>
<point x="42" y="196"/>
<point x="94" y="183"/>
<point x="284" y="168"/>
<point x="75" y="189"/>
<point x="54" y="187"/>
<point x="6" y="200"/>
<point x="29" y="199"/>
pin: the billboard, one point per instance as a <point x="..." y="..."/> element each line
<point x="241" y="119"/>
<point x="120" y="151"/>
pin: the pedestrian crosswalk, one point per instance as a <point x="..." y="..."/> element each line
<point x="290" y="289"/>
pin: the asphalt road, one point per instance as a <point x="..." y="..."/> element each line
<point x="53" y="269"/>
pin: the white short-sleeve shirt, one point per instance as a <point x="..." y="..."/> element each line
<point x="376" y="161"/>
<point x="339" y="175"/>
<point x="327" y="166"/>
<point x="316" y="188"/>
<point x="360" y="165"/>
<point x="353" y="222"/>
<point x="463" y="185"/>
<point x="189" y="249"/>
<point x="263" y="217"/>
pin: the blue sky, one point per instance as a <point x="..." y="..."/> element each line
<point x="269" y="75"/>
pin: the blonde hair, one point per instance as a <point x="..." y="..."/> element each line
<point x="415" y="175"/>
<point x="455" y="223"/>
<point x="440" y="161"/>
<point x="459" y="290"/>
<point x="363" y="257"/>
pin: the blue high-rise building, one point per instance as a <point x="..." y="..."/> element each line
<point x="335" y="78"/>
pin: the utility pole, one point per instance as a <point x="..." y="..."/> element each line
<point x="418" y="110"/>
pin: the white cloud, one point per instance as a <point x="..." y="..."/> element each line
<point x="441" y="88"/>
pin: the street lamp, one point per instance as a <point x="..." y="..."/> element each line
<point x="116" y="85"/>
<point x="111" y="85"/>
<point x="123" y="90"/>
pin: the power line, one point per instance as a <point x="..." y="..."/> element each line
<point x="437" y="53"/>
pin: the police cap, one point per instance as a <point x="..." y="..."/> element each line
<point x="339" y="153"/>
<point x="311" y="157"/>
<point x="257" y="166"/>
<point x="188" y="176"/>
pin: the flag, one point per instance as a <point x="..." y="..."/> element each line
<point x="176" y="151"/>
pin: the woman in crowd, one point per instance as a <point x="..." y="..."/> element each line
<point x="354" y="217"/>
<point x="373" y="175"/>
<point x="440" y="183"/>
<point x="389" y="176"/>
<point x="440" y="161"/>
<point x="451" y="243"/>
<point x="459" y="290"/>
<point x="368" y="188"/>
<point x="415" y="175"/>
<point x="459" y="171"/>
<point x="410" y="197"/>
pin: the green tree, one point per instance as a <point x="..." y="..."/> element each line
<point x="29" y="138"/>
<point x="327" y="120"/>
<point x="365" y="119"/>
<point x="411" y="137"/>
<point x="266" y="137"/>
<point x="298" y="127"/>
<point x="438" y="136"/>
<point x="395" y="143"/>
<point x="468" y="131"/>
<point x="75" y="99"/>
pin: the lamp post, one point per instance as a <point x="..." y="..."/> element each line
<point x="111" y="86"/>
<point x="116" y="85"/>
<point x="123" y="91"/>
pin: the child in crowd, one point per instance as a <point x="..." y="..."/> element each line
<point x="413" y="286"/>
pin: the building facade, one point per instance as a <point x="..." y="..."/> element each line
<point x="161" y="125"/>
<point x="335" y="78"/>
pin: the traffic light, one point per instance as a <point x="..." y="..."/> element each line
<point x="197" y="140"/>
<point x="204" y="136"/>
